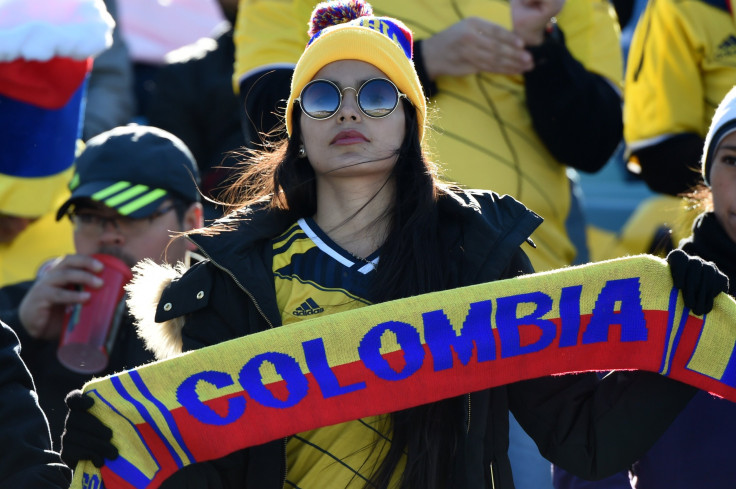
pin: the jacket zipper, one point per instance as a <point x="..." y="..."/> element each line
<point x="285" y="468"/>
<point x="237" y="282"/>
<point x="467" y="429"/>
<point x="493" y="480"/>
<point x="268" y="321"/>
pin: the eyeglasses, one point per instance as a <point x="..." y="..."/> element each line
<point x="377" y="97"/>
<point x="91" y="224"/>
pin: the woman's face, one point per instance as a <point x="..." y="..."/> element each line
<point x="350" y="144"/>
<point x="723" y="184"/>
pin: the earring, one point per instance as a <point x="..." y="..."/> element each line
<point x="302" y="153"/>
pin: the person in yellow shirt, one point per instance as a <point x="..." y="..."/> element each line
<point x="681" y="64"/>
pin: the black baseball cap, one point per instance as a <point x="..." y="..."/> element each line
<point x="133" y="169"/>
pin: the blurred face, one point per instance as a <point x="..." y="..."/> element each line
<point x="100" y="229"/>
<point x="723" y="184"/>
<point x="351" y="144"/>
<point x="12" y="226"/>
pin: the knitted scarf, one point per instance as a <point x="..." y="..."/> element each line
<point x="202" y="405"/>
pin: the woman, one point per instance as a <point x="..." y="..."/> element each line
<point x="696" y="449"/>
<point x="346" y="212"/>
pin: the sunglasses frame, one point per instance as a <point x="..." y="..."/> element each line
<point x="340" y="92"/>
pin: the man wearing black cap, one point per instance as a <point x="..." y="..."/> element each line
<point x="133" y="188"/>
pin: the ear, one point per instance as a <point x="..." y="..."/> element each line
<point x="193" y="217"/>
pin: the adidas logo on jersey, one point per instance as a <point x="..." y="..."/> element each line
<point x="727" y="47"/>
<point x="308" y="308"/>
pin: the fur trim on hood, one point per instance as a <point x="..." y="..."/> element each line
<point x="144" y="292"/>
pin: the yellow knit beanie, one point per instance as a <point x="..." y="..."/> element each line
<point x="347" y="29"/>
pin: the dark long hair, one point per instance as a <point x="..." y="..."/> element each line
<point x="411" y="263"/>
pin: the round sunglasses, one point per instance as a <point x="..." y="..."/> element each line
<point x="377" y="97"/>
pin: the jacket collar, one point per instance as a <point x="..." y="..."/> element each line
<point x="242" y="251"/>
<point x="489" y="228"/>
<point x="242" y="230"/>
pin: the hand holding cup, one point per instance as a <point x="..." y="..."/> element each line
<point x="90" y="328"/>
<point x="42" y="309"/>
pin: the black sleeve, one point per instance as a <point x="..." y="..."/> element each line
<point x="430" y="87"/>
<point x="576" y="113"/>
<point x="172" y="107"/>
<point x="27" y="459"/>
<point x="673" y="165"/>
<point x="193" y="99"/>
<point x="594" y="428"/>
<point x="10" y="298"/>
<point x="520" y="264"/>
<point x="263" y="97"/>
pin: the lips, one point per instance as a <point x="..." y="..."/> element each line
<point x="349" y="137"/>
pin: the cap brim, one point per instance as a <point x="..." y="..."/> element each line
<point x="135" y="201"/>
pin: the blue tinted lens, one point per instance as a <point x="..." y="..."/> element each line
<point x="378" y="98"/>
<point x="320" y="99"/>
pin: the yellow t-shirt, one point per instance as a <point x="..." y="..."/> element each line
<point x="681" y="64"/>
<point x="43" y="240"/>
<point x="314" y="276"/>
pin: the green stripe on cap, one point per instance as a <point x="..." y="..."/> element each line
<point x="127" y="195"/>
<point x="142" y="201"/>
<point x="74" y="183"/>
<point x="105" y="192"/>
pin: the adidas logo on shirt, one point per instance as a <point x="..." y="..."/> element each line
<point x="727" y="47"/>
<point x="308" y="308"/>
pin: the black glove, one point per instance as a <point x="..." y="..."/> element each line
<point x="700" y="281"/>
<point x="85" y="437"/>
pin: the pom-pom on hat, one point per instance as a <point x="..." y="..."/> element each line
<point x="347" y="29"/>
<point x="723" y="124"/>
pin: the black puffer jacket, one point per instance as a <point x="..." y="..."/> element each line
<point x="27" y="460"/>
<point x="53" y="380"/>
<point x="593" y="428"/>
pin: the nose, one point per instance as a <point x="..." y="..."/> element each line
<point x="349" y="109"/>
<point x="111" y="234"/>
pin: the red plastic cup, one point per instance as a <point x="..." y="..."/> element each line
<point x="90" y="328"/>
